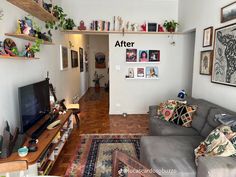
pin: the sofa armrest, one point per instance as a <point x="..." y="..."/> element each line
<point x="153" y="111"/>
<point x="216" y="167"/>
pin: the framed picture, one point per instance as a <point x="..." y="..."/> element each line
<point x="206" y="62"/>
<point x="100" y="60"/>
<point x="224" y="66"/>
<point x="131" y="55"/>
<point x="74" y="59"/>
<point x="152" y="27"/>
<point x="228" y="12"/>
<point x="154" y="55"/>
<point x="81" y="58"/>
<point x="64" y="57"/>
<point x="140" y="72"/>
<point x="151" y="72"/>
<point x="86" y="61"/>
<point x="143" y="56"/>
<point x="207" y="37"/>
<point x="130" y="72"/>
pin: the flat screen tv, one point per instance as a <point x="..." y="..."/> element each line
<point x="34" y="103"/>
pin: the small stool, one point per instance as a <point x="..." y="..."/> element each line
<point x="75" y="111"/>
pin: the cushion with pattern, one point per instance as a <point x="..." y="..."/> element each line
<point x="183" y="115"/>
<point x="166" y="109"/>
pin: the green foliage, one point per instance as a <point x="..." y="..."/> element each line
<point x="36" y="47"/>
<point x="170" y="25"/>
<point x="63" y="22"/>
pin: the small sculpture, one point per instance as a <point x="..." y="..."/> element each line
<point x="160" y="28"/>
<point x="127" y="26"/>
<point x="144" y="27"/>
<point x="120" y="23"/>
<point x="26" y="29"/>
<point x="82" y="26"/>
<point x="134" y="27"/>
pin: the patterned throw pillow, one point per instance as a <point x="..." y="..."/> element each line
<point x="216" y="144"/>
<point x="183" y="115"/>
<point x="166" y="110"/>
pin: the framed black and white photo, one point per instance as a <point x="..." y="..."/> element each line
<point x="74" y="59"/>
<point x="224" y="65"/>
<point x="228" y="12"/>
<point x="207" y="37"/>
<point x="63" y="57"/>
<point x="154" y="55"/>
<point x="81" y="59"/>
<point x="206" y="62"/>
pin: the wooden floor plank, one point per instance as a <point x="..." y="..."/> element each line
<point x="95" y="119"/>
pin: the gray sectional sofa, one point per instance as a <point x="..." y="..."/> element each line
<point x="169" y="148"/>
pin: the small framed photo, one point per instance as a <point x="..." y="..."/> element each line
<point x="140" y="72"/>
<point x="74" y="59"/>
<point x="81" y="58"/>
<point x="143" y="56"/>
<point x="64" y="57"/>
<point x="131" y="55"/>
<point x="130" y="72"/>
<point x="152" y="27"/>
<point x="151" y="72"/>
<point x="228" y="12"/>
<point x="207" y="37"/>
<point x="154" y="55"/>
<point x="206" y="62"/>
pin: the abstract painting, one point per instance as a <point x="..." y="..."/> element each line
<point x="224" y="60"/>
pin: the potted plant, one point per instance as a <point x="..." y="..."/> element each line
<point x="170" y="26"/>
<point x="69" y="24"/>
<point x="36" y="47"/>
<point x="96" y="80"/>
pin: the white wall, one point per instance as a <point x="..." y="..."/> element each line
<point x="132" y="10"/>
<point x="16" y="73"/>
<point x="134" y="96"/>
<point x="201" y="14"/>
<point x="98" y="44"/>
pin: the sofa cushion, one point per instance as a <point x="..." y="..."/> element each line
<point x="166" y="109"/>
<point x="216" y="167"/>
<point x="201" y="114"/>
<point x="170" y="153"/>
<point x="161" y="127"/>
<point x="211" y="123"/>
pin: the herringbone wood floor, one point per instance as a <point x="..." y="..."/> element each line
<point x="95" y="119"/>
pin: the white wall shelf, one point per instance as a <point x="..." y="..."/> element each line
<point x="142" y="78"/>
<point x="142" y="62"/>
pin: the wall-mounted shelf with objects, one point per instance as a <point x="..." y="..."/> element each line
<point x="27" y="37"/>
<point x="17" y="58"/>
<point x="90" y="32"/>
<point x="34" y="9"/>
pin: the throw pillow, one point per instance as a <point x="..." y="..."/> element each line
<point x="183" y="115"/>
<point x="216" y="144"/>
<point x="166" y="110"/>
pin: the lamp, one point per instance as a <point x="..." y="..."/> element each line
<point x="182" y="94"/>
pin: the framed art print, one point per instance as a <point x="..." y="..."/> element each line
<point x="207" y="37"/>
<point x="154" y="55"/>
<point x="206" y="62"/>
<point x="81" y="58"/>
<point x="151" y="72"/>
<point x="74" y="59"/>
<point x="228" y="12"/>
<point x="224" y="65"/>
<point x="64" y="57"/>
<point x="131" y="55"/>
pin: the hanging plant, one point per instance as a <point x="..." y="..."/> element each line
<point x="170" y="26"/>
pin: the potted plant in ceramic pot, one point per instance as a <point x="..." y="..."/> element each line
<point x="171" y="26"/>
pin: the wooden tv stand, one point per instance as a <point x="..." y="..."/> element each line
<point x="41" y="161"/>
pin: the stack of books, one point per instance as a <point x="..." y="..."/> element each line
<point x="99" y="25"/>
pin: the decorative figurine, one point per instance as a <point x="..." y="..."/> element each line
<point x="26" y="29"/>
<point x="160" y="28"/>
<point x="114" y="23"/>
<point x="120" y="22"/>
<point x="81" y="25"/>
<point x="127" y="26"/>
<point x="144" y="27"/>
<point x="2" y="51"/>
<point x="134" y="27"/>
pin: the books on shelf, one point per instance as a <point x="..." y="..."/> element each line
<point x="99" y="25"/>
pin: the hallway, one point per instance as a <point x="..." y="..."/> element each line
<point x="95" y="119"/>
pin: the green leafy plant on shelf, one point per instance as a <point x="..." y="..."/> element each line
<point x="63" y="22"/>
<point x="36" y="47"/>
<point x="170" y="26"/>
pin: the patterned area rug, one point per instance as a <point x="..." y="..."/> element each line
<point x="94" y="154"/>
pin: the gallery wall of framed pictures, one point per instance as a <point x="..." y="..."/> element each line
<point x="143" y="57"/>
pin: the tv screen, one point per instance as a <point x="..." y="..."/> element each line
<point x="34" y="104"/>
